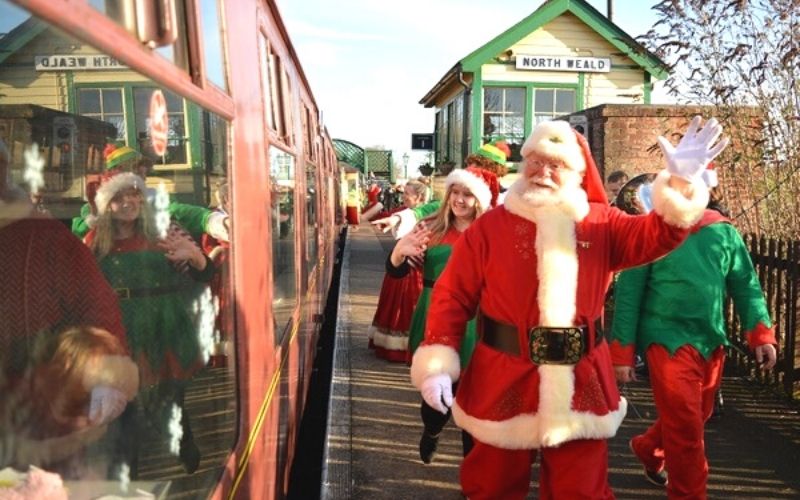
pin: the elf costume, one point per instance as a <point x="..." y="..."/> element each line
<point x="672" y="311"/>
<point x="522" y="266"/>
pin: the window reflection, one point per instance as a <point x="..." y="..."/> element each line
<point x="111" y="263"/>
<point x="282" y="171"/>
<point x="312" y="217"/>
<point x="212" y="42"/>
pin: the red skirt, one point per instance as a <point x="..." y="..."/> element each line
<point x="389" y="332"/>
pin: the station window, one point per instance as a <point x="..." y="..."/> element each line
<point x="284" y="288"/>
<point x="504" y="115"/>
<point x="105" y="105"/>
<point x="549" y="103"/>
<point x="94" y="306"/>
<point x="176" y="133"/>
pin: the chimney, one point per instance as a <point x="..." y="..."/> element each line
<point x="610" y="10"/>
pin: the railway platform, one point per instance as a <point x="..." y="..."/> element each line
<point x="371" y="449"/>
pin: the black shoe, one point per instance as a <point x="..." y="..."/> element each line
<point x="427" y="447"/>
<point x="189" y="456"/>
<point x="658" y="478"/>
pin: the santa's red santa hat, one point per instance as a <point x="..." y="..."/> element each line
<point x="481" y="183"/>
<point x="558" y="141"/>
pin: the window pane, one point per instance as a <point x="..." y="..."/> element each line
<point x="89" y="101"/>
<point x="312" y="224"/>
<point x="158" y="332"/>
<point x="565" y="102"/>
<point x="212" y="42"/>
<point x="266" y="83"/>
<point x="493" y="99"/>
<point x="283" y="271"/>
<point x="175" y="153"/>
<point x="543" y="101"/>
<point x="515" y="100"/>
<point x="112" y="101"/>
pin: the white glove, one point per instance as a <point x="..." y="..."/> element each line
<point x="694" y="152"/>
<point x="437" y="391"/>
<point x="107" y="403"/>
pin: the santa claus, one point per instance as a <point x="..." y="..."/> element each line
<point x="535" y="270"/>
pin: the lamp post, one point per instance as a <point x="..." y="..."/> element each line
<point x="405" y="166"/>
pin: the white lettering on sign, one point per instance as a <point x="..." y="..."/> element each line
<point x="76" y="63"/>
<point x="564" y="63"/>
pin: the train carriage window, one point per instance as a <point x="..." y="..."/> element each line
<point x="312" y="217"/>
<point x="266" y="83"/>
<point x="282" y="185"/>
<point x="106" y="288"/>
<point x="213" y="50"/>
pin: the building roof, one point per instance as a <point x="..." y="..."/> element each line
<point x="548" y="11"/>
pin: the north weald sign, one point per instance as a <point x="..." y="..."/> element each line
<point x="564" y="63"/>
<point x="76" y="63"/>
<point x="422" y="142"/>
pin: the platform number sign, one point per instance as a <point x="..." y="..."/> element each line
<point x="422" y="141"/>
<point x="159" y="123"/>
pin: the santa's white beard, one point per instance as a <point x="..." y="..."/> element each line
<point x="539" y="201"/>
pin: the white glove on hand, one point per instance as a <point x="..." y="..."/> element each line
<point x="437" y="391"/>
<point x="694" y="152"/>
<point x="106" y="404"/>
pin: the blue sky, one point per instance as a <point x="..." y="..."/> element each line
<point x="369" y="62"/>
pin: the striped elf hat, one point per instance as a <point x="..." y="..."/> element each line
<point x="495" y="152"/>
<point x="116" y="156"/>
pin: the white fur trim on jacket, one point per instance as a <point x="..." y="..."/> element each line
<point x="556" y="139"/>
<point x="674" y="207"/>
<point x="555" y="422"/>
<point x="475" y="184"/>
<point x="119" y="372"/>
<point x="215" y="226"/>
<point x="434" y="359"/>
<point x="114" y="185"/>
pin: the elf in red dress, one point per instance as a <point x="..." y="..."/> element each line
<point x="535" y="270"/>
<point x="388" y="334"/>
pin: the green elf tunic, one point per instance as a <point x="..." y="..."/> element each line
<point x="652" y="306"/>
<point x="436" y="258"/>
<point x="157" y="303"/>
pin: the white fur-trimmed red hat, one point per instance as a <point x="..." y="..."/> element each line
<point x="113" y="185"/>
<point x="558" y="141"/>
<point x="481" y="183"/>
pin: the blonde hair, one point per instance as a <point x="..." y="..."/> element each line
<point x="419" y="189"/>
<point x="103" y="240"/>
<point x="439" y="223"/>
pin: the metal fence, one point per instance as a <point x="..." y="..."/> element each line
<point x="777" y="263"/>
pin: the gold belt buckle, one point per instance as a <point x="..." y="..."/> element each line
<point x="555" y="346"/>
<point x="123" y="293"/>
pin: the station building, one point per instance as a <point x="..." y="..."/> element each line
<point x="563" y="58"/>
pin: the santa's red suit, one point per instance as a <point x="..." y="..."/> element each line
<point x="524" y="267"/>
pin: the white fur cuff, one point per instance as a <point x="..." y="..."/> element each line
<point x="407" y="222"/>
<point x="432" y="360"/>
<point x="673" y="206"/>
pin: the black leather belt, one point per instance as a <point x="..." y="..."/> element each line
<point x="428" y="283"/>
<point x="133" y="293"/>
<point x="546" y="345"/>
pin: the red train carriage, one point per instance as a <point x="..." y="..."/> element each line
<point x="199" y="110"/>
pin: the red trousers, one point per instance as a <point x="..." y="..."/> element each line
<point x="684" y="389"/>
<point x="574" y="470"/>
